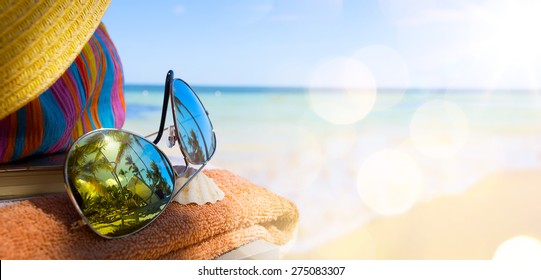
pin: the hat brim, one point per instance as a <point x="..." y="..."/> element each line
<point x="38" y="42"/>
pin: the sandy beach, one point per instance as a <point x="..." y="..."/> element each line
<point x="471" y="225"/>
<point x="456" y="157"/>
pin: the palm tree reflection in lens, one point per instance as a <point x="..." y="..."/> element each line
<point x="192" y="123"/>
<point x="120" y="182"/>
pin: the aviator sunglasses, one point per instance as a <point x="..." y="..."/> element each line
<point x="120" y="182"/>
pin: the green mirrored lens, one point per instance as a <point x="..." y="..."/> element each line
<point x="193" y="124"/>
<point x="120" y="182"/>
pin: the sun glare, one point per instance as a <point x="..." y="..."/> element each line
<point x="516" y="30"/>
<point x="506" y="35"/>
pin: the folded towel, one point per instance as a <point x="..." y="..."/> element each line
<point x="40" y="228"/>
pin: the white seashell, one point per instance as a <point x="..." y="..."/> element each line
<point x="201" y="189"/>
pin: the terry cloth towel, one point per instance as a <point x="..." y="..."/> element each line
<point x="39" y="228"/>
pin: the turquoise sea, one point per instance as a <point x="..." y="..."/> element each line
<point x="348" y="157"/>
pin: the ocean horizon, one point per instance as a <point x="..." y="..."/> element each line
<point x="342" y="157"/>
<point x="257" y="89"/>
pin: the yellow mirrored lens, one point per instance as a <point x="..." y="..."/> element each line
<point x="119" y="181"/>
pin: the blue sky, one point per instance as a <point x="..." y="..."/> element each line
<point x="392" y="43"/>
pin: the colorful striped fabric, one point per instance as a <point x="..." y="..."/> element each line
<point x="89" y="95"/>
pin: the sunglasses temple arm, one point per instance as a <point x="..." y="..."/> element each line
<point x="164" y="106"/>
<point x="187" y="181"/>
<point x="157" y="132"/>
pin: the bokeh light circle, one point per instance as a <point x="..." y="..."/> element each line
<point x="439" y="129"/>
<point x="390" y="182"/>
<point x="390" y="71"/>
<point x="342" y="91"/>
<point x="519" y="248"/>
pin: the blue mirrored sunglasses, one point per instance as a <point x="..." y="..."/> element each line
<point x="120" y="182"/>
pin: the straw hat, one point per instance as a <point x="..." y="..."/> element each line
<point x="39" y="39"/>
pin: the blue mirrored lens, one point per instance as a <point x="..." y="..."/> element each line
<point x="193" y="124"/>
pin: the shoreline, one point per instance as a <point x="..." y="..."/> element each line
<point x="467" y="226"/>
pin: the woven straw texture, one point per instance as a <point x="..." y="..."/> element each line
<point x="89" y="95"/>
<point x="38" y="41"/>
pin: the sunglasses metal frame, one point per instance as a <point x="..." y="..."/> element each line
<point x="84" y="219"/>
<point x="173" y="132"/>
<point x="169" y="97"/>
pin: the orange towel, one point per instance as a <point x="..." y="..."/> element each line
<point x="40" y="228"/>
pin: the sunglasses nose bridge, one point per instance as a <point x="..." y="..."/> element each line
<point x="172" y="137"/>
